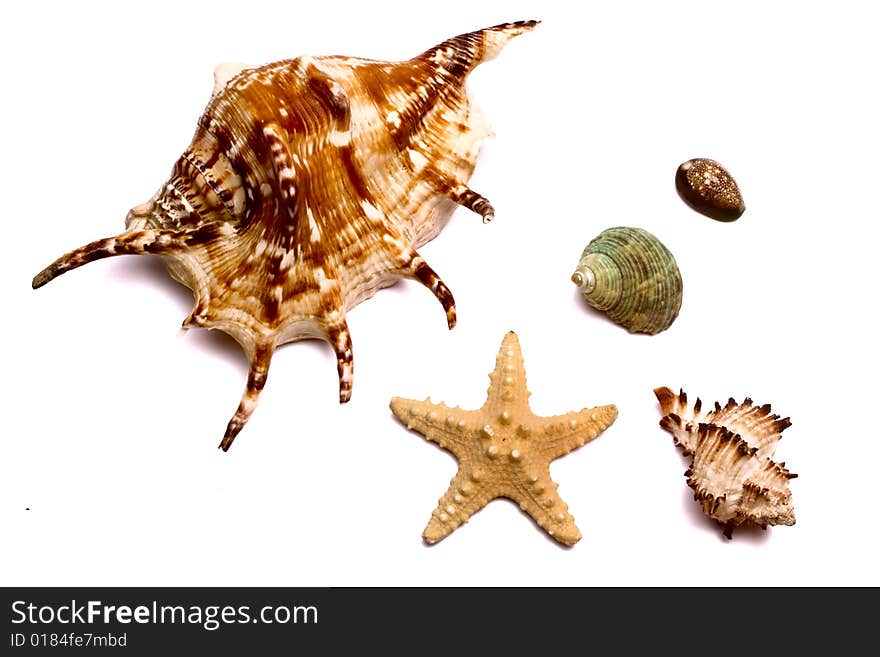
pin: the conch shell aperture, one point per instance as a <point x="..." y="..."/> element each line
<point x="308" y="186"/>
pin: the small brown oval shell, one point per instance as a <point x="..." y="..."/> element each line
<point x="708" y="188"/>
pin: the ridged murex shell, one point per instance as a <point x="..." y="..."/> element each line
<point x="733" y="475"/>
<point x="631" y="276"/>
<point x="309" y="185"/>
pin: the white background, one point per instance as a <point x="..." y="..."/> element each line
<point x="109" y="470"/>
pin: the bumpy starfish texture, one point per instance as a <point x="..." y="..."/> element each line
<point x="503" y="449"/>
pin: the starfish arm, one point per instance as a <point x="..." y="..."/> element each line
<point x="560" y="434"/>
<point x="448" y="427"/>
<point x="507" y="385"/>
<point x="464" y="498"/>
<point x="537" y="496"/>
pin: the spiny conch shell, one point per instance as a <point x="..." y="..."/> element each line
<point x="628" y="274"/>
<point x="309" y="185"/>
<point x="733" y="475"/>
<point x="708" y="188"/>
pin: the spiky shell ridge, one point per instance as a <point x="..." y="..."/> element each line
<point x="732" y="473"/>
<point x="734" y="485"/>
<point x="761" y="428"/>
<point x="309" y="185"/>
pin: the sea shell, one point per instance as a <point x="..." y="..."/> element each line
<point x="708" y="188"/>
<point x="733" y="475"/>
<point x="628" y="274"/>
<point x="309" y="185"/>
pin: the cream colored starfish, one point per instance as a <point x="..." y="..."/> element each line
<point x="503" y="449"/>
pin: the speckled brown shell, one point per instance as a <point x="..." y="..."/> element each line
<point x="309" y="185"/>
<point x="708" y="188"/>
<point x="732" y="474"/>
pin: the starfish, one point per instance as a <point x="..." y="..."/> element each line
<point x="503" y="449"/>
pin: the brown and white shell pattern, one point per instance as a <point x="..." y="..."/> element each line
<point x="733" y="474"/>
<point x="309" y="185"/>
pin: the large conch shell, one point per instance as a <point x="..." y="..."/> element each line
<point x="733" y="475"/>
<point x="632" y="277"/>
<point x="309" y="185"/>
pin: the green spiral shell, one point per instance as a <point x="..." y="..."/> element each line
<point x="629" y="275"/>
